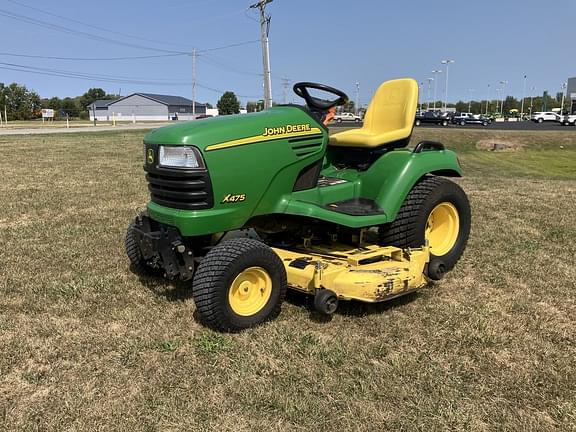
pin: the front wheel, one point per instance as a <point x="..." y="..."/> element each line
<point x="436" y="210"/>
<point x="462" y="123"/>
<point x="239" y="284"/>
<point x="540" y="120"/>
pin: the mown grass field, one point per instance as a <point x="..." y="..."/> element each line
<point x="87" y="346"/>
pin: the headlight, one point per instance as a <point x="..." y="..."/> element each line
<point x="180" y="157"/>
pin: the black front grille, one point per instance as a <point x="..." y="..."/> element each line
<point x="180" y="188"/>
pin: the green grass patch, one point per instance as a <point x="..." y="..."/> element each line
<point x="87" y="345"/>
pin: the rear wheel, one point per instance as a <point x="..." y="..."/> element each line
<point x="540" y="120"/>
<point x="436" y="210"/>
<point x="462" y="123"/>
<point x="239" y="284"/>
<point x="444" y="122"/>
<point x="484" y="123"/>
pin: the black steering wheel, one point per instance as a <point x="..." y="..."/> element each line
<point x="317" y="104"/>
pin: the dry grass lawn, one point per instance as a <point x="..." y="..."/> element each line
<point x="87" y="346"/>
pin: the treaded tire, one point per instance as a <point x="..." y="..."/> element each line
<point x="218" y="270"/>
<point x="408" y="228"/>
<point x="137" y="262"/>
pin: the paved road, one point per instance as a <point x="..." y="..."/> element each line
<point x="514" y="126"/>
<point x="82" y="129"/>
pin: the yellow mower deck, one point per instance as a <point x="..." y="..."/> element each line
<point x="369" y="274"/>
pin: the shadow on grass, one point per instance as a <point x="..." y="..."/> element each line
<point x="178" y="291"/>
<point x="351" y="308"/>
<point x="171" y="290"/>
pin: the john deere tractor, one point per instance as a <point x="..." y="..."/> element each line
<point x="356" y="215"/>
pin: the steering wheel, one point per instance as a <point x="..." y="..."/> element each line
<point x="317" y="104"/>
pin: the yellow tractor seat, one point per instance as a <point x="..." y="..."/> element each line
<point x="390" y="117"/>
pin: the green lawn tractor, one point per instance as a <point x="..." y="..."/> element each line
<point x="352" y="216"/>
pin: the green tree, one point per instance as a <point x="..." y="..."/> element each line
<point x="90" y="96"/>
<point x="20" y="103"/>
<point x="252" y="106"/>
<point x="228" y="104"/>
<point x="349" y="106"/>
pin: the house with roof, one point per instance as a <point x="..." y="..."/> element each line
<point x="99" y="109"/>
<point x="153" y="107"/>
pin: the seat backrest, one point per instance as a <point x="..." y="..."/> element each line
<point x="393" y="107"/>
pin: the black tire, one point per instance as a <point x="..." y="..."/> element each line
<point x="444" y="123"/>
<point x="484" y="123"/>
<point x="540" y="120"/>
<point x="357" y="120"/>
<point x="408" y="229"/>
<point x="216" y="274"/>
<point x="462" y="123"/>
<point x="139" y="265"/>
<point x="339" y="120"/>
<point x="325" y="301"/>
<point x="417" y="122"/>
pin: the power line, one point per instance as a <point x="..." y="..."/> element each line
<point x="92" y="58"/>
<point x="106" y="78"/>
<point x="67" y="30"/>
<point x="140" y="38"/>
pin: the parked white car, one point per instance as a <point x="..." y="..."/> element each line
<point x="339" y="118"/>
<point x="539" y="117"/>
<point x="569" y="120"/>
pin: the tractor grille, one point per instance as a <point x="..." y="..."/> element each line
<point x="180" y="188"/>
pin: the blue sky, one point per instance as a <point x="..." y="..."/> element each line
<point x="337" y="42"/>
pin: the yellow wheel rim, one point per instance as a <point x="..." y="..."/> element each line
<point x="442" y="228"/>
<point x="250" y="291"/>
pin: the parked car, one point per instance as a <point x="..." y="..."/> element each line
<point x="339" y="118"/>
<point x="469" y="118"/>
<point x="432" y="117"/>
<point x="539" y="117"/>
<point x="569" y="120"/>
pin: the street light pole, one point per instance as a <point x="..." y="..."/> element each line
<point x="435" y="72"/>
<point x="447" y="62"/>
<point x="523" y="97"/>
<point x="357" y="97"/>
<point x="428" y="98"/>
<point x="503" y="96"/>
<point x="487" y="100"/>
<point x="470" y="91"/>
<point x="564" y="85"/>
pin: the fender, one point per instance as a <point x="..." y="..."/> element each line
<point x="395" y="173"/>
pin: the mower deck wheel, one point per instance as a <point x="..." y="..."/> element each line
<point x="325" y="301"/>
<point x="240" y="283"/>
<point x="139" y="265"/>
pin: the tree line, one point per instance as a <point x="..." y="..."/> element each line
<point x="24" y="104"/>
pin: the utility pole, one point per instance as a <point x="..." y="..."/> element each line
<point x="357" y="98"/>
<point x="447" y="62"/>
<point x="435" y="72"/>
<point x="285" y="84"/>
<point x="264" y="30"/>
<point x="532" y="90"/>
<point x="194" y="84"/>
